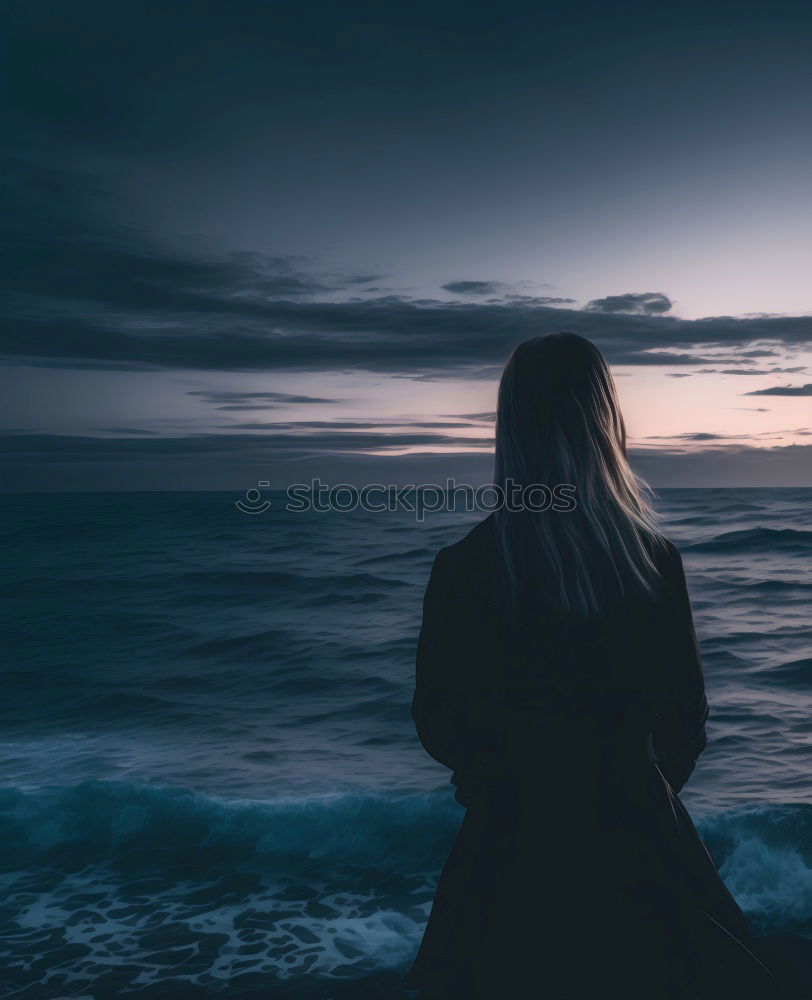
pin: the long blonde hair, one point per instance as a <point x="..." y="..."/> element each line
<point x="558" y="422"/>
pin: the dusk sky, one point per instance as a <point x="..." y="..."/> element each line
<point x="267" y="240"/>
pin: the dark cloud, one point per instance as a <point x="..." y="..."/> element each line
<point x="632" y="302"/>
<point x="125" y="431"/>
<point x="691" y="436"/>
<point x="701" y="436"/>
<point x="783" y="390"/>
<point x="473" y="287"/>
<point x="496" y="289"/>
<point x="60" y="249"/>
<point x="750" y="371"/>
<point x="363" y="279"/>
<point x="710" y="436"/>
<point x="385" y="436"/>
<point x="733" y="371"/>
<point x="81" y="291"/>
<point x="229" y="400"/>
<point x="538" y="300"/>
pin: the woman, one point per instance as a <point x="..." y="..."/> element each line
<point x="558" y="677"/>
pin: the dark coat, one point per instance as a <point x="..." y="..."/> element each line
<point x="577" y="872"/>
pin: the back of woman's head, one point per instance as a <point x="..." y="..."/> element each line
<point x="558" y="423"/>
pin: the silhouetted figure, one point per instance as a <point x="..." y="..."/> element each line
<point x="558" y="677"/>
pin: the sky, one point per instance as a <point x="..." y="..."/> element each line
<point x="267" y="241"/>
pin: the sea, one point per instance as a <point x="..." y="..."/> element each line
<point x="210" y="781"/>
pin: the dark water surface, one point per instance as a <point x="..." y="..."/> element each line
<point x="210" y="779"/>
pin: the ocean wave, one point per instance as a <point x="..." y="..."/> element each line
<point x="793" y="674"/>
<point x="161" y="827"/>
<point x="764" y="855"/>
<point x="266" y="643"/>
<point x="265" y="580"/>
<point x="209" y="892"/>
<point x="769" y="586"/>
<point x="422" y="553"/>
<point x="775" y="541"/>
<point x="164" y="829"/>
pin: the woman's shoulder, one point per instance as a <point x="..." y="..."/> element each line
<point x="670" y="571"/>
<point x="666" y="555"/>
<point x="464" y="572"/>
<point x="471" y="556"/>
<point x="478" y="541"/>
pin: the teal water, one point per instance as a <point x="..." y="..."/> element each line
<point x="210" y="779"/>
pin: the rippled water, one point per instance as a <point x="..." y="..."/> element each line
<point x="210" y="779"/>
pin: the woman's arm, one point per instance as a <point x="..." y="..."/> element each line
<point x="440" y="703"/>
<point x="679" y="734"/>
